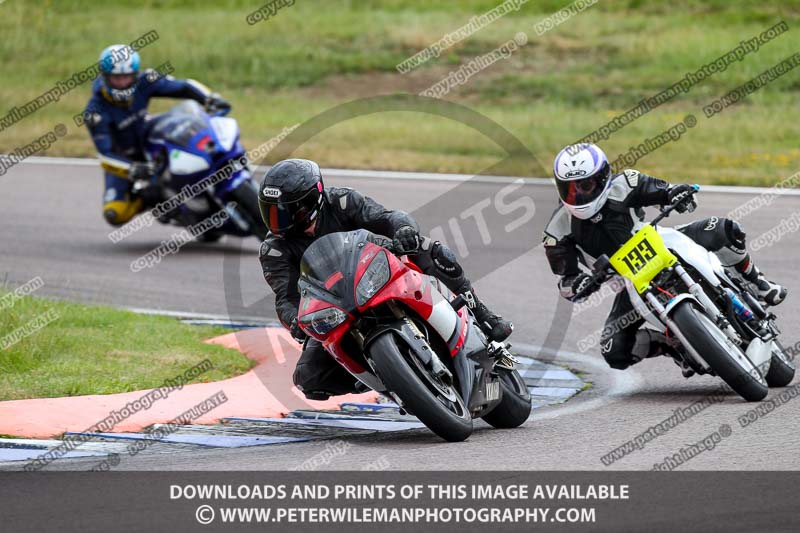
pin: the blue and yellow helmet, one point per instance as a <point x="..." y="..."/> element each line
<point x="119" y="60"/>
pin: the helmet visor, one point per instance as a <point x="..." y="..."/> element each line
<point x="296" y="215"/>
<point x="121" y="81"/>
<point x="582" y="191"/>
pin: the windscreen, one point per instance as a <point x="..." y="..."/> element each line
<point x="181" y="123"/>
<point x="330" y="260"/>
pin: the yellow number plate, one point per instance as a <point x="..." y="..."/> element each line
<point x="642" y="258"/>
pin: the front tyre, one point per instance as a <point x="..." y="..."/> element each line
<point x="442" y="411"/>
<point x="781" y="369"/>
<point x="727" y="360"/>
<point x="515" y="407"/>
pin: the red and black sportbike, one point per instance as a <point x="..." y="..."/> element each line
<point x="404" y="334"/>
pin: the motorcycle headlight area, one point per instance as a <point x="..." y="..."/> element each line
<point x="374" y="278"/>
<point x="323" y="321"/>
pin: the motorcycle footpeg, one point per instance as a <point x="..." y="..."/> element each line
<point x="507" y="362"/>
<point x="502" y="357"/>
<point x="458" y="302"/>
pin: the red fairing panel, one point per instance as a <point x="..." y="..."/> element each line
<point x="421" y="293"/>
<point x="333" y="344"/>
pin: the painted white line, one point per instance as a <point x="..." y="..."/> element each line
<point x="186" y="315"/>
<point x="423" y="176"/>
<point x="48" y="444"/>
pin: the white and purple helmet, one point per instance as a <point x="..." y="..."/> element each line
<point x="582" y="173"/>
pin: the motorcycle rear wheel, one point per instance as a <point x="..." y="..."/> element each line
<point x="452" y="422"/>
<point x="781" y="369"/>
<point x="515" y="407"/>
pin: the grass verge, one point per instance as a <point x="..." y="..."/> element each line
<point x="560" y="86"/>
<point x="73" y="349"/>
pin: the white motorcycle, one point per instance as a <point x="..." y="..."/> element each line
<point x="682" y="290"/>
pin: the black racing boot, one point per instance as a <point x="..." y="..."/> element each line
<point x="492" y="324"/>
<point x="768" y="292"/>
<point x="771" y="293"/>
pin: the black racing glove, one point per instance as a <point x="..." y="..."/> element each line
<point x="682" y="198"/>
<point x="216" y="103"/>
<point x="297" y="334"/>
<point x="406" y="241"/>
<point x="583" y="282"/>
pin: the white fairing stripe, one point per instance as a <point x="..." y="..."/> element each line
<point x="226" y="130"/>
<point x="443" y="318"/>
<point x="183" y="163"/>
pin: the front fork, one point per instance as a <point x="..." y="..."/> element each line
<point x="709" y="307"/>
<point x="434" y="363"/>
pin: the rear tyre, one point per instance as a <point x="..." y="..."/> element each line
<point x="515" y="407"/>
<point x="727" y="360"/>
<point x="781" y="369"/>
<point x="246" y="196"/>
<point x="449" y="419"/>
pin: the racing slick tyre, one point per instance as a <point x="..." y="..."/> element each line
<point x="435" y="403"/>
<point x="515" y="407"/>
<point x="781" y="369"/>
<point x="247" y="197"/>
<point x="724" y="357"/>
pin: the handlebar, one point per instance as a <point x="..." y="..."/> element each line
<point x="601" y="271"/>
<point x="389" y="244"/>
<point x="666" y="211"/>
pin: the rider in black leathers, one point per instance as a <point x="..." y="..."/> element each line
<point x="596" y="216"/>
<point x="297" y="209"/>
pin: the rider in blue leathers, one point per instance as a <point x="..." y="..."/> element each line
<point x="116" y="118"/>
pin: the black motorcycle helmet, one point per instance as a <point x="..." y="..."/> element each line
<point x="290" y="196"/>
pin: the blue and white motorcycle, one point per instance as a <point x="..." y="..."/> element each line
<point x="201" y="168"/>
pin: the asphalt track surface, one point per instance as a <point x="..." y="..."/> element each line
<point x="52" y="227"/>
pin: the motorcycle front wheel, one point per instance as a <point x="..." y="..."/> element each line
<point x="246" y="196"/>
<point x="436" y="404"/>
<point x="724" y="357"/>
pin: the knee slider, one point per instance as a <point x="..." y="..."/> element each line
<point x="301" y="376"/>
<point x="117" y="213"/>
<point x="111" y="216"/>
<point x="735" y="233"/>
<point x="445" y="260"/>
<point x="616" y="353"/>
<point x="617" y="363"/>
